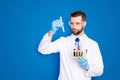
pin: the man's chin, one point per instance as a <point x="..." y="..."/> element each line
<point x="75" y="33"/>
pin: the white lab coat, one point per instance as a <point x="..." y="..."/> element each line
<point x="70" y="68"/>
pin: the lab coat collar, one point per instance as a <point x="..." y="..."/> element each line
<point x="81" y="37"/>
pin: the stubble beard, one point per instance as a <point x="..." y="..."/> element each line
<point x="76" y="31"/>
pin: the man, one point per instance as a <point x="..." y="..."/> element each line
<point x="80" y="57"/>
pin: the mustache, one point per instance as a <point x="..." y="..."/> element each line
<point x="74" y="29"/>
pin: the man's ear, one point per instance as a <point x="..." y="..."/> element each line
<point x="84" y="23"/>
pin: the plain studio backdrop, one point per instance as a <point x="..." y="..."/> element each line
<point x="24" y="22"/>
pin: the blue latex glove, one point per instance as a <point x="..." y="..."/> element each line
<point x="83" y="62"/>
<point x="55" y="25"/>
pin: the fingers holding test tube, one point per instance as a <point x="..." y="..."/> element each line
<point x="58" y="23"/>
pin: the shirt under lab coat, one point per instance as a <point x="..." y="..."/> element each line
<point x="70" y="68"/>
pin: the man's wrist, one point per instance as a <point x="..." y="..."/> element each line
<point x="50" y="34"/>
<point x="52" y="31"/>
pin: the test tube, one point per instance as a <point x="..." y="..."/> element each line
<point x="62" y="25"/>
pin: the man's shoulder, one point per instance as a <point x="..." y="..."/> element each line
<point x="91" y="41"/>
<point x="65" y="38"/>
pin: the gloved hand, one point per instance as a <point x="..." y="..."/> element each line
<point x="83" y="62"/>
<point x="55" y="25"/>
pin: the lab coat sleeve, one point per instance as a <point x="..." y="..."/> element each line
<point x="48" y="47"/>
<point x="96" y="63"/>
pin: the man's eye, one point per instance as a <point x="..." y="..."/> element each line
<point x="78" y="23"/>
<point x="71" y="23"/>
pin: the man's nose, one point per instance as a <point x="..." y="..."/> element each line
<point x="74" y="26"/>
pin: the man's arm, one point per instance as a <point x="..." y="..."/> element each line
<point x="96" y="63"/>
<point x="46" y="46"/>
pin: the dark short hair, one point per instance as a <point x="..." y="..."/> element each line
<point x="79" y="13"/>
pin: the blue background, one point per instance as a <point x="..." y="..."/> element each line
<point x="24" y="22"/>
